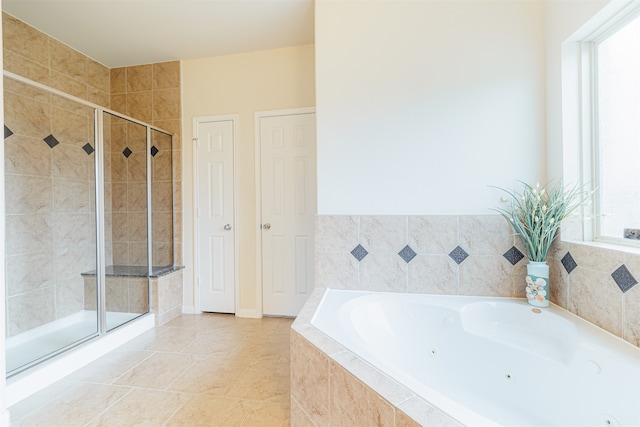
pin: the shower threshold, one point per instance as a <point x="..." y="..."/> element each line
<point x="33" y="345"/>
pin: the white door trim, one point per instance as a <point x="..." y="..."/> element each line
<point x="258" y="156"/>
<point x="194" y="209"/>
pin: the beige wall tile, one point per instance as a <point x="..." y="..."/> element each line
<point x="433" y="274"/>
<point x="71" y="162"/>
<point x="631" y="331"/>
<point x="353" y="404"/>
<point x="139" y="78"/>
<point x="27" y="155"/>
<point x="139" y="105"/>
<point x="73" y="196"/>
<point x="25" y="67"/>
<point x="336" y="233"/>
<point x="594" y="296"/>
<point x="69" y="85"/>
<point x="486" y="276"/>
<point x="136" y="137"/>
<point x="137" y="227"/>
<point x="166" y="75"/>
<point x="558" y="283"/>
<point x="98" y="76"/>
<point x="119" y="103"/>
<point x="436" y="234"/>
<point x="137" y="167"/>
<point x="27" y="194"/>
<point x="173" y="127"/>
<point x="25" y="40"/>
<point x="69" y="297"/>
<point x="71" y="128"/>
<point x="136" y="196"/>
<point x="383" y="272"/>
<point x="98" y="97"/>
<point x="161" y="166"/>
<point x="27" y="116"/>
<point x="298" y="417"/>
<point x="118" y="80"/>
<point x="336" y="271"/>
<point x="166" y="104"/>
<point x="68" y="61"/>
<point x="22" y="277"/>
<point x="383" y="234"/>
<point x="28" y="233"/>
<point x="310" y="379"/>
<point x="596" y="258"/>
<point x="29" y="310"/>
<point x="484" y="234"/>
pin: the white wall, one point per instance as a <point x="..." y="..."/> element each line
<point x="239" y="85"/>
<point x="423" y="104"/>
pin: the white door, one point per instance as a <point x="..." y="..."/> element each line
<point x="288" y="181"/>
<point x="215" y="215"/>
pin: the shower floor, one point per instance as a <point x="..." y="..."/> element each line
<point x="39" y="342"/>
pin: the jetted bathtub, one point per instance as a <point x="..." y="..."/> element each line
<point x="491" y="361"/>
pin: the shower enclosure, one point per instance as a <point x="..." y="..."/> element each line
<point x="89" y="219"/>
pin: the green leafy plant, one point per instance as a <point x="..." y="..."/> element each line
<point x="535" y="214"/>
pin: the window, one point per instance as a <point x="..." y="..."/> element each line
<point x="614" y="143"/>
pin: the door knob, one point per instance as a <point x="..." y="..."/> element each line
<point x="227" y="227"/>
<point x="266" y="226"/>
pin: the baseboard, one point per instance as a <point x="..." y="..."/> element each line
<point x="189" y="309"/>
<point x="252" y="314"/>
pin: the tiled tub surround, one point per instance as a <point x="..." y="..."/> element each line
<point x="330" y="385"/>
<point x="479" y="358"/>
<point x="474" y="255"/>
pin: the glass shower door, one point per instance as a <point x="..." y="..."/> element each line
<point x="50" y="224"/>
<point x="126" y="220"/>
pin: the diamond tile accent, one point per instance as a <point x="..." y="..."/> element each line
<point x="359" y="252"/>
<point x="513" y="255"/>
<point x="88" y="148"/>
<point x="51" y="141"/>
<point x="154" y="151"/>
<point x="127" y="152"/>
<point x="623" y="278"/>
<point x="568" y="262"/>
<point x="7" y="132"/>
<point x="407" y="254"/>
<point x="458" y="255"/>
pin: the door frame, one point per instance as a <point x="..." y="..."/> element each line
<point x="258" y="172"/>
<point x="196" y="258"/>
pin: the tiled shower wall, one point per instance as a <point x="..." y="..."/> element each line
<point x="49" y="177"/>
<point x="50" y="191"/>
<point x="151" y="93"/>
<point x="474" y="255"/>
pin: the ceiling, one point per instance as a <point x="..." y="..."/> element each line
<point x="120" y="33"/>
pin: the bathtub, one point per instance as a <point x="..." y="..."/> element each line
<point x="490" y="361"/>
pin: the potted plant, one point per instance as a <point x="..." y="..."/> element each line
<point x="535" y="214"/>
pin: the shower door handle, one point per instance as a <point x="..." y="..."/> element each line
<point x="227" y="227"/>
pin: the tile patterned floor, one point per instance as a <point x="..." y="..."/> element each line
<point x="197" y="370"/>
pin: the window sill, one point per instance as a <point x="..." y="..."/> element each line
<point x="634" y="250"/>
